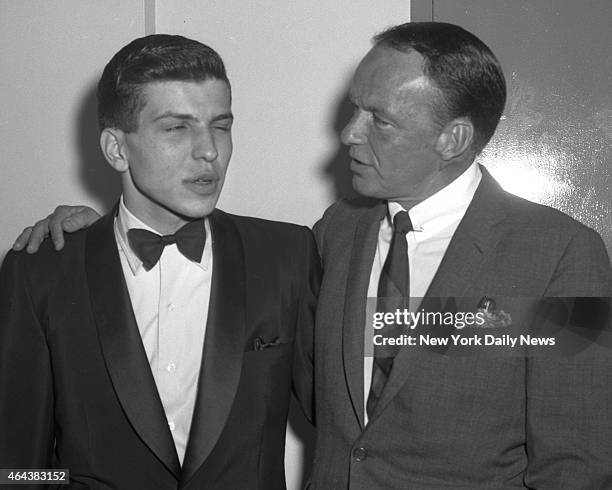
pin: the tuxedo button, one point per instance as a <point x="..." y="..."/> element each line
<point x="171" y="424"/>
<point x="171" y="367"/>
<point x="359" y="454"/>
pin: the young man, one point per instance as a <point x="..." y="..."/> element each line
<point x="157" y="350"/>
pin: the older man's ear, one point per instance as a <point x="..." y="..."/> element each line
<point x="456" y="139"/>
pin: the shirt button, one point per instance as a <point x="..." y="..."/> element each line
<point x="171" y="367"/>
<point x="171" y="306"/>
<point x="359" y="454"/>
<point x="171" y="425"/>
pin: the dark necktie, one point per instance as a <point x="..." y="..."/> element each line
<point x="148" y="246"/>
<point x="393" y="294"/>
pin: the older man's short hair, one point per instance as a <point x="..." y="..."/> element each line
<point x="465" y="71"/>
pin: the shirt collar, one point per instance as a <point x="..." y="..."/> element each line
<point x="125" y="220"/>
<point x="452" y="200"/>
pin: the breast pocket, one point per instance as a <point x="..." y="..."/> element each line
<point x="268" y="357"/>
<point x="267" y="373"/>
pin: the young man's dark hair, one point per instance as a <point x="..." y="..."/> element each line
<point x="154" y="58"/>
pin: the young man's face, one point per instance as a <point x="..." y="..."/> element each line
<point x="179" y="154"/>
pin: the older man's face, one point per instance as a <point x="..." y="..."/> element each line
<point x="392" y="134"/>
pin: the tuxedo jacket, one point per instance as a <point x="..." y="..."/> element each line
<point x="473" y="421"/>
<point x="75" y="384"/>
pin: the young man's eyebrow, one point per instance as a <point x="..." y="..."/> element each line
<point x="190" y="117"/>
<point x="176" y="115"/>
<point x="223" y="117"/>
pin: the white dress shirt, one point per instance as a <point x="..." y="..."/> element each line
<point x="434" y="221"/>
<point x="170" y="303"/>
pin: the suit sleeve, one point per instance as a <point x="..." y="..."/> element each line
<point x="320" y="227"/>
<point x="569" y="397"/>
<point x="310" y="279"/>
<point x="26" y="391"/>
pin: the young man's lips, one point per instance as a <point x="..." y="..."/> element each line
<point x="204" y="185"/>
<point x="202" y="179"/>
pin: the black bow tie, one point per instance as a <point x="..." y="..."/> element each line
<point x="148" y="246"/>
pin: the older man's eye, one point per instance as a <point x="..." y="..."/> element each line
<point x="380" y="122"/>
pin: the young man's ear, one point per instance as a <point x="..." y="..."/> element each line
<point x="456" y="139"/>
<point x="112" y="142"/>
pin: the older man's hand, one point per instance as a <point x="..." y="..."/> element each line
<point x="63" y="219"/>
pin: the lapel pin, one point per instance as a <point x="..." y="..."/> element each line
<point x="493" y="318"/>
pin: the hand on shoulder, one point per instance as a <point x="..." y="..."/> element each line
<point x="63" y="219"/>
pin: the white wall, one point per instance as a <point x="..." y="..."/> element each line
<point x="51" y="55"/>
<point x="289" y="63"/>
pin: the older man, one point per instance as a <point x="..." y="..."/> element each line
<point x="427" y="99"/>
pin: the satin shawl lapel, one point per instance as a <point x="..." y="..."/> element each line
<point x="358" y="279"/>
<point x="224" y="344"/>
<point x="124" y="355"/>
<point x="458" y="272"/>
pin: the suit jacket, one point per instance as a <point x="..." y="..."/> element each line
<point x="474" y="421"/>
<point x="76" y="388"/>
